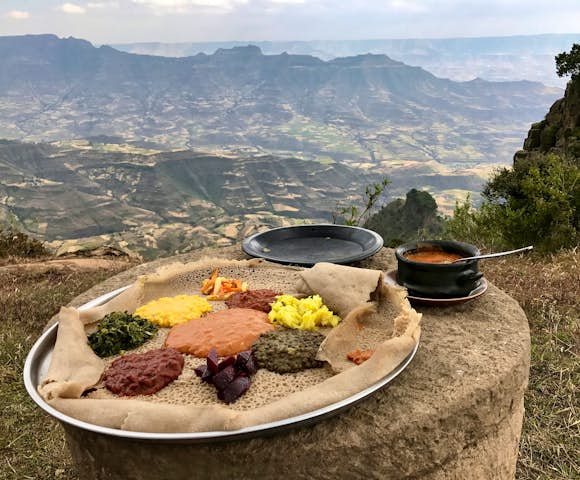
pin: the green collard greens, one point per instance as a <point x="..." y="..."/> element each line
<point x="120" y="331"/>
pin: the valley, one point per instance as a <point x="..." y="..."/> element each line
<point x="152" y="201"/>
<point x="165" y="154"/>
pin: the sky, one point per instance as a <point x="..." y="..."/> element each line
<point x="126" y="21"/>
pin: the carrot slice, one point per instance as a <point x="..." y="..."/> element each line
<point x="208" y="284"/>
<point x="222" y="288"/>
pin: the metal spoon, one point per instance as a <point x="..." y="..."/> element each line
<point x="490" y="255"/>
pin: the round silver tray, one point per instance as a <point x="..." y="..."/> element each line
<point x="38" y="361"/>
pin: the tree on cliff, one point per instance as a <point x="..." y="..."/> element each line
<point x="405" y="220"/>
<point x="534" y="203"/>
<point x="14" y="243"/>
<point x="568" y="63"/>
<point x="537" y="201"/>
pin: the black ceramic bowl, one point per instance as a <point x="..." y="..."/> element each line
<point x="438" y="280"/>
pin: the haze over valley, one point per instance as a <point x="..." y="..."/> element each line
<point x="104" y="142"/>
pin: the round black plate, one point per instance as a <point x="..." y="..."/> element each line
<point x="309" y="244"/>
<point x="391" y="279"/>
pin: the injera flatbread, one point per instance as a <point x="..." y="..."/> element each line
<point x="388" y="324"/>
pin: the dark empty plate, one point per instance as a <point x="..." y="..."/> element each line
<point x="391" y="279"/>
<point x="309" y="244"/>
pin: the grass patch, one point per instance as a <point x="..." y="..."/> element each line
<point x="547" y="290"/>
<point x="32" y="444"/>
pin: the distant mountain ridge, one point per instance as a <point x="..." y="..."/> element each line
<point x="493" y="58"/>
<point x="283" y="138"/>
<point x="346" y="108"/>
<point x="508" y="45"/>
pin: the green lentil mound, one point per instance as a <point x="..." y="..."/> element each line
<point x="287" y="350"/>
<point x="120" y="331"/>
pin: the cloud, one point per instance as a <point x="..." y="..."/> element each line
<point x="18" y="15"/>
<point x="407" y="6"/>
<point x="72" y="9"/>
<point x="175" y="6"/>
<point x="292" y="2"/>
<point x="102" y="5"/>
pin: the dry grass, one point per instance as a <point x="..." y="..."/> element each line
<point x="32" y="444"/>
<point x="548" y="289"/>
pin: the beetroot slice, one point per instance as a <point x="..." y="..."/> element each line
<point x="246" y="362"/>
<point x="250" y="368"/>
<point x="204" y="372"/>
<point x="243" y="357"/>
<point x="231" y="376"/>
<point x="226" y="362"/>
<point x="213" y="361"/>
<point x="224" y="378"/>
<point x="235" y="389"/>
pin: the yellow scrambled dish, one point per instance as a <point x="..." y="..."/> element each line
<point x="305" y="314"/>
<point x="170" y="311"/>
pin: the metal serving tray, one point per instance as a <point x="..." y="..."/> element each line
<point x="38" y="361"/>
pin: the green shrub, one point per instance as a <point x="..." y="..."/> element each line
<point x="535" y="203"/>
<point x="401" y="220"/>
<point x="351" y="215"/>
<point x="18" y="244"/>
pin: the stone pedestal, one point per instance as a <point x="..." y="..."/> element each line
<point x="454" y="413"/>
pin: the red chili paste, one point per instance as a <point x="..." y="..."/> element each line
<point x="359" y="356"/>
<point x="144" y="373"/>
<point x="254" y="299"/>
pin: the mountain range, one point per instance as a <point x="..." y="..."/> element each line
<point x="517" y="57"/>
<point x="104" y="142"/>
<point x="363" y="108"/>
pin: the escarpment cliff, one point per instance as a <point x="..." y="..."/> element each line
<point x="559" y="132"/>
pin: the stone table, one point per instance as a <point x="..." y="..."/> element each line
<point x="454" y="413"/>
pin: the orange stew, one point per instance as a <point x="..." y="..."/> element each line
<point x="228" y="331"/>
<point x="432" y="256"/>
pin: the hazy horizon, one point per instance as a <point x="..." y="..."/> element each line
<point x="177" y="21"/>
<point x="337" y="39"/>
<point x="330" y="40"/>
